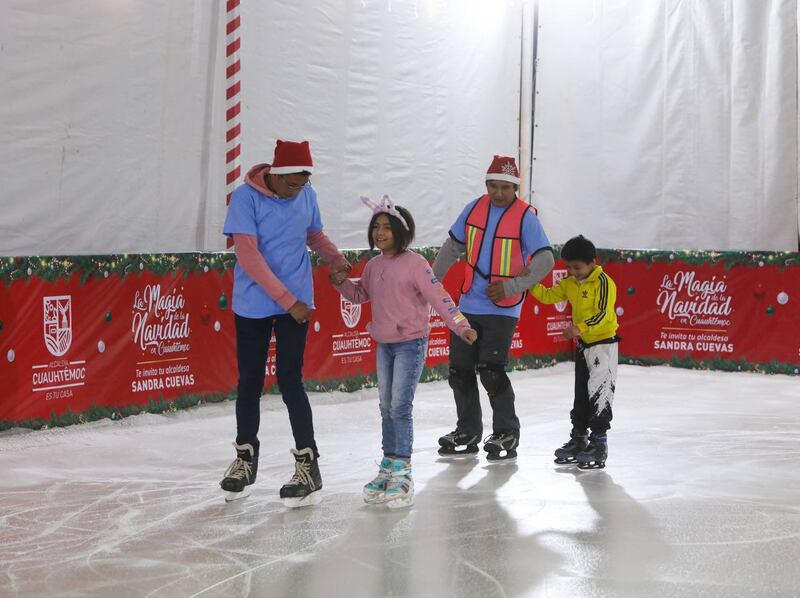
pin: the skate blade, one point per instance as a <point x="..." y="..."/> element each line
<point x="508" y="456"/>
<point x="567" y="461"/>
<point x="306" y="501"/>
<point x="502" y="461"/>
<point x="400" y="503"/>
<point x="458" y="454"/>
<point x="377" y="499"/>
<point x="591" y="466"/>
<point x="232" y="496"/>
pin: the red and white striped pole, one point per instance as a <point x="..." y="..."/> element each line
<point x="233" y="148"/>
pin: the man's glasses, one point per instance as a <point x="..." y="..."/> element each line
<point x="293" y="186"/>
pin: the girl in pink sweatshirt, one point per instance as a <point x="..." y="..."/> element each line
<point x="401" y="288"/>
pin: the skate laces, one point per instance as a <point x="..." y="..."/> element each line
<point x="384" y="473"/>
<point x="381" y="479"/>
<point x="302" y="474"/>
<point x="239" y="469"/>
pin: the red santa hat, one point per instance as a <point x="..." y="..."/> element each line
<point x="291" y="157"/>
<point x="503" y="168"/>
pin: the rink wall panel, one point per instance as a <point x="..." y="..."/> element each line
<point x="707" y="309"/>
<point x="86" y="337"/>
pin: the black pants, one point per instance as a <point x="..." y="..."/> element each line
<point x="252" y="343"/>
<point x="487" y="357"/>
<point x="595" y="381"/>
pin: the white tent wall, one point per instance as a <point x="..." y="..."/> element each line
<point x="409" y="98"/>
<point x="668" y="123"/>
<point x="104" y="125"/>
<point x="112" y="113"/>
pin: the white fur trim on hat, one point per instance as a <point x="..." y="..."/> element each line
<point x="291" y="169"/>
<point x="496" y="176"/>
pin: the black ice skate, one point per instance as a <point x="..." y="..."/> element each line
<point x="303" y="489"/>
<point x="595" y="455"/>
<point x="457" y="445"/>
<point x="241" y="474"/>
<point x="567" y="453"/>
<point x="501" y="447"/>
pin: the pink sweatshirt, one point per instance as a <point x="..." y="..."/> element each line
<point x="254" y="264"/>
<point x="402" y="288"/>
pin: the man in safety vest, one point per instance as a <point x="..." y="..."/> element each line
<point x="498" y="234"/>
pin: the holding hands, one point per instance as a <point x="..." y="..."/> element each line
<point x="300" y="312"/>
<point x="470" y="336"/>
<point x="495" y="291"/>
<point x="337" y="276"/>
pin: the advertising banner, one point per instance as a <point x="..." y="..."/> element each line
<point x="128" y="330"/>
<point x="97" y="336"/>
<point x="732" y="310"/>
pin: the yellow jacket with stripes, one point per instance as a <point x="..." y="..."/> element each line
<point x="592" y="302"/>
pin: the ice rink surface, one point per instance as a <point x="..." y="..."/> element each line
<point x="700" y="497"/>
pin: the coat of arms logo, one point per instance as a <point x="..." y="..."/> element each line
<point x="57" y="324"/>
<point x="351" y="312"/>
<point x="559" y="275"/>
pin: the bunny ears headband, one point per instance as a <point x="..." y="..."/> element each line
<point x="385" y="207"/>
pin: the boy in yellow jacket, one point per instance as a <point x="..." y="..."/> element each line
<point x="592" y="295"/>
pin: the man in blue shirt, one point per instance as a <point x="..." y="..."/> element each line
<point x="506" y="252"/>
<point x="273" y="218"/>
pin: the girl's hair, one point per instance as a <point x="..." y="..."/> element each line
<point x="402" y="237"/>
<point x="578" y="249"/>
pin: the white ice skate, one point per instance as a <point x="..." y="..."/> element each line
<point x="374" y="492"/>
<point x="400" y="490"/>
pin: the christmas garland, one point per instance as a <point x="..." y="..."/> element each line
<point x="52" y="268"/>
<point x="729" y="259"/>
<point x="717" y="364"/>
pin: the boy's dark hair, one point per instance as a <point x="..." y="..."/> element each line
<point x="402" y="237"/>
<point x="578" y="249"/>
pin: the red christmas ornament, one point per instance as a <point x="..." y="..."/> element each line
<point x="758" y="291"/>
<point x="205" y="314"/>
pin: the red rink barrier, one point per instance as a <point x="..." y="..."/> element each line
<point x="85" y="337"/>
<point x="732" y="310"/>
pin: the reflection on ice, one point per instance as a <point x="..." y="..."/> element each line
<point x="699" y="497"/>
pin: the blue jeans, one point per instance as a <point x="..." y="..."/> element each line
<point x="399" y="367"/>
